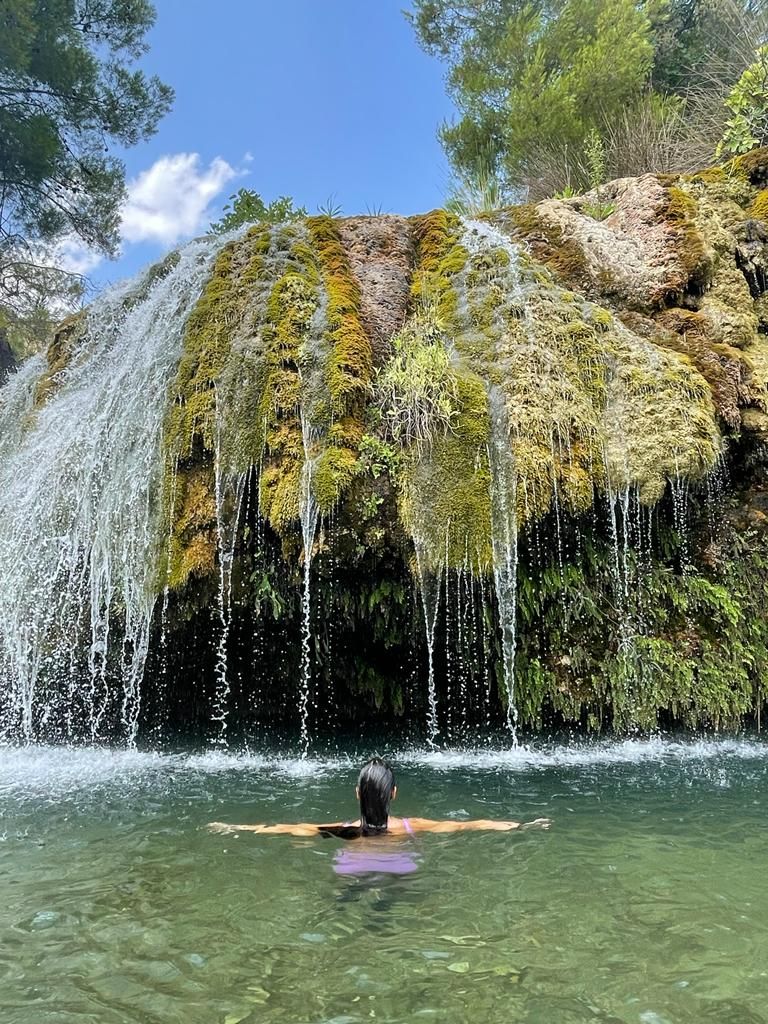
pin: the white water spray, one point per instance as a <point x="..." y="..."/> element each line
<point x="309" y="514"/>
<point x="79" y="510"/>
<point x="429" y="590"/>
<point x="504" y="539"/>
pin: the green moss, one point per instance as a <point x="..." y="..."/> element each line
<point x="583" y="397"/>
<point x="756" y="359"/>
<point x="291" y="309"/>
<point x="348" y="372"/>
<point x="710" y="175"/>
<point x="439" y="257"/>
<point x="753" y="166"/>
<point x="210" y="373"/>
<point x="445" y="497"/>
<point x="722" y="366"/>
<point x="680" y="213"/>
<point x="563" y="256"/>
<point x="699" y="645"/>
<point x="759" y="207"/>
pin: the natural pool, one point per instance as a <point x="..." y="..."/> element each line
<point x="646" y="902"/>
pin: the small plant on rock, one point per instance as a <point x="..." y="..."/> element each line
<point x="747" y="128"/>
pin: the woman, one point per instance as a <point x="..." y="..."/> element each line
<point x="375" y="790"/>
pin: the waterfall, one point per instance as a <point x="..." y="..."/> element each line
<point x="17" y="399"/>
<point x="78" y="512"/>
<point x="226" y="556"/>
<point x="310" y="517"/>
<point x="429" y="590"/>
<point x="480" y="237"/>
<point x="504" y="538"/>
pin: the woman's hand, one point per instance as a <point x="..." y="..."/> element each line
<point x="538" y="823"/>
<point x="221" y="827"/>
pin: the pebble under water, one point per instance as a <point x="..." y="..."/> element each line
<point x="646" y="903"/>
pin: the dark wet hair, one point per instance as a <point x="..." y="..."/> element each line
<point x="376" y="783"/>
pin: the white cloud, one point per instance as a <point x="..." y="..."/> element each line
<point x="71" y="255"/>
<point x="170" y="199"/>
<point x="167" y="202"/>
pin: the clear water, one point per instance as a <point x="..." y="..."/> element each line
<point x="645" y="903"/>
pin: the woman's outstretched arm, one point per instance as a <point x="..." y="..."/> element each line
<point x="417" y="824"/>
<point x="478" y="825"/>
<point x="299" y="829"/>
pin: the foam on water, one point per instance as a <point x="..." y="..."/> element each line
<point x="655" y="750"/>
<point x="50" y="770"/>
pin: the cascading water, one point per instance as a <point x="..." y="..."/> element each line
<point x="478" y="237"/>
<point x="504" y="535"/>
<point x="78" y="513"/>
<point x="429" y="590"/>
<point x="226" y="539"/>
<point x="313" y="357"/>
<point x="310" y="517"/>
<point x="17" y="401"/>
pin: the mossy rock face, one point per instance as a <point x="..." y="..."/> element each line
<point x="601" y="367"/>
<point x="278" y="373"/>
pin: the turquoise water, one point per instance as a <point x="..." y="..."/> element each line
<point x="645" y="903"/>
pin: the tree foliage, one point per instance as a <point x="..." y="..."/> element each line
<point x="534" y="80"/>
<point x="67" y="91"/>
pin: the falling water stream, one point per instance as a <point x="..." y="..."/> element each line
<point x="309" y="514"/>
<point x="504" y="535"/>
<point x="78" y="507"/>
<point x="480" y="236"/>
<point x="429" y="591"/>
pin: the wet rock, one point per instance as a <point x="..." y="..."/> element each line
<point x="7" y="359"/>
<point x="380" y="252"/>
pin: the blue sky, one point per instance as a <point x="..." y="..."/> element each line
<point x="304" y="98"/>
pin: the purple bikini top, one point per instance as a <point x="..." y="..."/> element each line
<point x="349" y="861"/>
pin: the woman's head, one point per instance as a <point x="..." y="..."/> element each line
<point x="375" y="789"/>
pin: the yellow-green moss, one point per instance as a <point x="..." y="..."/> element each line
<point x="291" y="307"/>
<point x="439" y="257"/>
<point x="722" y="366"/>
<point x="753" y="166"/>
<point x="192" y="540"/>
<point x="445" y="497"/>
<point x="194" y="435"/>
<point x="563" y="256"/>
<point x="756" y="359"/>
<point x="659" y="419"/>
<point x="680" y="211"/>
<point x="759" y="207"/>
<point x="436" y="409"/>
<point x="577" y="384"/>
<point x="349" y="369"/>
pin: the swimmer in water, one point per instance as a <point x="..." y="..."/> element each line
<point x="375" y="790"/>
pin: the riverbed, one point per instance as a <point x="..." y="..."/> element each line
<point x="645" y="903"/>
